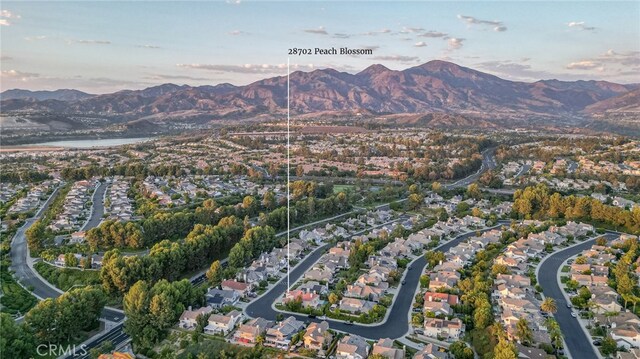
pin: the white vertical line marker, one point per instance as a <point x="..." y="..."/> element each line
<point x="288" y="181"/>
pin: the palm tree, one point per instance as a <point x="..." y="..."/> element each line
<point x="523" y="331"/>
<point x="549" y="305"/>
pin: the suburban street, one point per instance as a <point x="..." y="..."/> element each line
<point x="396" y="325"/>
<point x="97" y="207"/>
<point x="577" y="342"/>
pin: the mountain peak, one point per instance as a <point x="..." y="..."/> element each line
<point x="373" y="70"/>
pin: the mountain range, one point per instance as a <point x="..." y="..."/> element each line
<point x="433" y="87"/>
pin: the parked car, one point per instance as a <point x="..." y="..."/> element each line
<point x="573" y="314"/>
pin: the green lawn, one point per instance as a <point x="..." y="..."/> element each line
<point x="65" y="278"/>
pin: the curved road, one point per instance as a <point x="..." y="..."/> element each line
<point x="397" y="324"/>
<point x="577" y="342"/>
<point x="26" y="275"/>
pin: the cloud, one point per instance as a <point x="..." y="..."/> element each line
<point x="245" y="69"/>
<point x="398" y="58"/>
<point x="5" y="15"/>
<point x="420" y="44"/>
<point x="320" y="31"/>
<point x="494" y="24"/>
<point x="580" y="25"/>
<point x="18" y="75"/>
<point x="455" y="43"/>
<point x="175" y="77"/>
<point x="614" y="61"/>
<point x="148" y="46"/>
<point x="341" y="36"/>
<point x="513" y="70"/>
<point x="433" y="34"/>
<point x="9" y="15"/>
<point x="36" y="38"/>
<point x="583" y="65"/>
<point x="233" y="2"/>
<point x="411" y="30"/>
<point x="6" y="58"/>
<point x="378" y="32"/>
<point x="371" y="47"/>
<point x="89" y="42"/>
<point x="237" y="32"/>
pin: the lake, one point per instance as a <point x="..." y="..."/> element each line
<point x="105" y="142"/>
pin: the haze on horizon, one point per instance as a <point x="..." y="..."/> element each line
<point x="101" y="47"/>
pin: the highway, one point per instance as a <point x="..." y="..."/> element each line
<point x="488" y="163"/>
<point x="397" y="323"/>
<point x="577" y="342"/>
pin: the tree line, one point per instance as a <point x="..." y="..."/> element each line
<point x="170" y="259"/>
<point x="539" y="203"/>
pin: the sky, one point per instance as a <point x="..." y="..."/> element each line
<point x="106" y="46"/>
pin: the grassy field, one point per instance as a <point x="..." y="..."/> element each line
<point x="65" y="278"/>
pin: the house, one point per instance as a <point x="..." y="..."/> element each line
<point x="279" y="336"/>
<point x="530" y="352"/>
<point x="251" y="330"/>
<point x="352" y="347"/>
<point x="355" y="306"/>
<point x="431" y="351"/>
<point x="223" y="324"/>
<point x="384" y="347"/>
<point x="77" y="237"/>
<point x="218" y="298"/>
<point x="364" y="292"/>
<point x="319" y="274"/>
<point x="452" y="299"/>
<point x="188" y="319"/>
<point x="311" y="300"/>
<point x="449" y="330"/>
<point x="314" y="287"/>
<point x="317" y="336"/>
<point x="627" y="335"/>
<point x="241" y="288"/>
<point x="438" y="308"/>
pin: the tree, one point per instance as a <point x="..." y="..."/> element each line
<point x="473" y="191"/>
<point x="523" y="332"/>
<point x="415" y="200"/>
<point x="70" y="260"/>
<point x="214" y="274"/>
<point x="333" y="298"/>
<point x="436" y="187"/>
<point x="269" y="200"/>
<point x="61" y="319"/>
<point x="505" y="350"/>
<point x="549" y="305"/>
<point x="417" y="319"/>
<point x="482" y="315"/>
<point x="35" y="235"/>
<point x="609" y="346"/>
<point x="460" y="350"/>
<point x="16" y="340"/>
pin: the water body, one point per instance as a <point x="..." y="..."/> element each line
<point x="105" y="142"/>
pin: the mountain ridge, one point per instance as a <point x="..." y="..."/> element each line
<point x="435" y="86"/>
